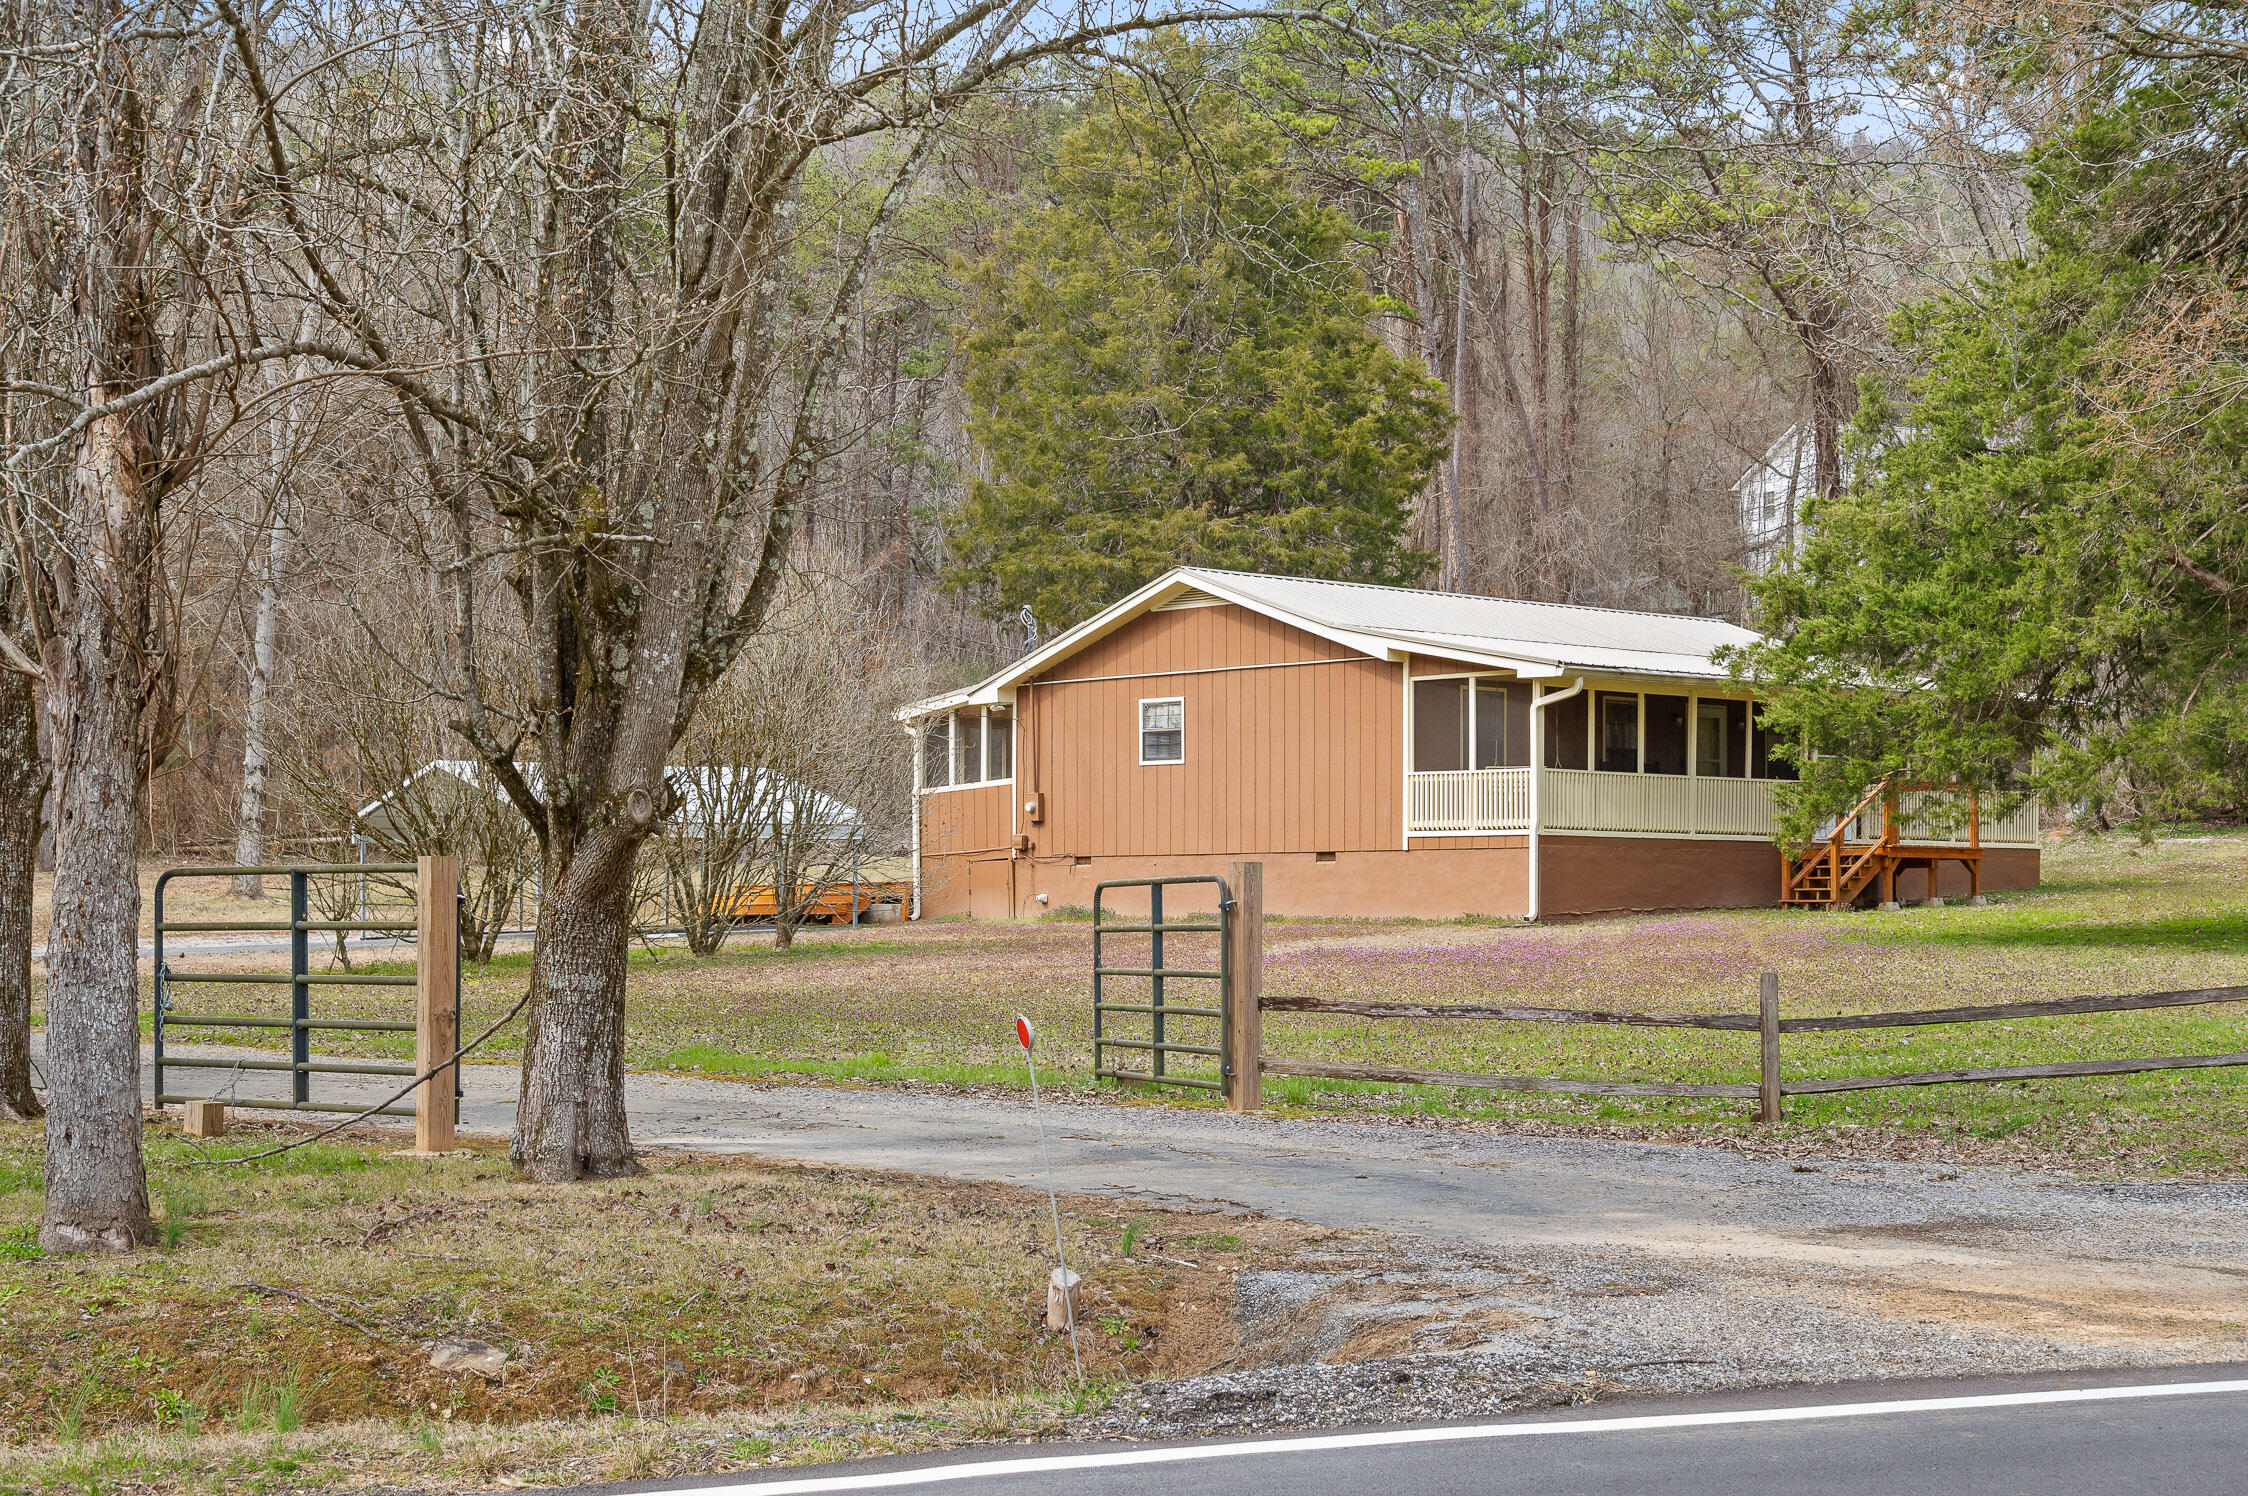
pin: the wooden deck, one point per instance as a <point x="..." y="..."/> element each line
<point x="1834" y="872"/>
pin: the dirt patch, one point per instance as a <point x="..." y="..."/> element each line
<point x="1963" y="1231"/>
<point x="2174" y="1310"/>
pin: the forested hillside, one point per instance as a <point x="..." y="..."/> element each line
<point x="1502" y="299"/>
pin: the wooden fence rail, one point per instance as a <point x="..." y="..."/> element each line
<point x="1768" y="1026"/>
<point x="1248" y="1002"/>
<point x="1748" y="1022"/>
<point x="1402" y="1076"/>
<point x="1357" y="1009"/>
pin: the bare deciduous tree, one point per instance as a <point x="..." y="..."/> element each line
<point x="97" y="141"/>
<point x="23" y="785"/>
<point x="637" y="420"/>
<point x="363" y="754"/>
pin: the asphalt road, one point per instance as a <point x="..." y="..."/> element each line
<point x="2181" y="1435"/>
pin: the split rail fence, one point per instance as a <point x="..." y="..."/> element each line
<point x="1246" y="1063"/>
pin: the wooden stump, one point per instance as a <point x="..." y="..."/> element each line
<point x="204" y="1119"/>
<point x="1061" y="1299"/>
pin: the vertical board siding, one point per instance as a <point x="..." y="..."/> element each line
<point x="1305" y="758"/>
<point x="955" y="822"/>
<point x="967" y="850"/>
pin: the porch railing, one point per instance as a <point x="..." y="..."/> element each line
<point x="1470" y="800"/>
<point x="1498" y="801"/>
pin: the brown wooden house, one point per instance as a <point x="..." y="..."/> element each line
<point x="1373" y="746"/>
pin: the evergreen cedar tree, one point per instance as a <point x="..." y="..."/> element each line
<point x="2035" y="583"/>
<point x="1170" y="364"/>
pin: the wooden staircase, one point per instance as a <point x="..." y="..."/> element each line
<point x="1833" y="872"/>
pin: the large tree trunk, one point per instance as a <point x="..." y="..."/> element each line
<point x="97" y="1192"/>
<point x="101" y="665"/>
<point x="22" y="791"/>
<point x="1830" y="411"/>
<point x="569" y="1118"/>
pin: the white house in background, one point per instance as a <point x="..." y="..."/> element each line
<point x="1771" y="495"/>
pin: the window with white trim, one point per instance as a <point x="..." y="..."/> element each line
<point x="1163" y="730"/>
<point x="967" y="748"/>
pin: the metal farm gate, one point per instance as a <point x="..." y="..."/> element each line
<point x="435" y="979"/>
<point x="1158" y="1014"/>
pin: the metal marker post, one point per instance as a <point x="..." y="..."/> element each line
<point x="1026" y="1036"/>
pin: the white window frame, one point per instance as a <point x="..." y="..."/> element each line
<point x="1139" y="725"/>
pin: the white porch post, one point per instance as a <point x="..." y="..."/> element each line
<point x="1538" y="704"/>
<point x="1537" y="809"/>
<point x="919" y="768"/>
<point x="1405" y="778"/>
<point x="1693" y="762"/>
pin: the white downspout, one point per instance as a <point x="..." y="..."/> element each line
<point x="919" y="764"/>
<point x="1537" y="778"/>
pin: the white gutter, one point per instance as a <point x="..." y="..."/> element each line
<point x="1537" y="777"/>
<point x="914" y="732"/>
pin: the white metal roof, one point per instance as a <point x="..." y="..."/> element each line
<point x="1535" y="640"/>
<point x="704" y="792"/>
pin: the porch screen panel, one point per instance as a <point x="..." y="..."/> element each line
<point x="1720" y="744"/>
<point x="1616" y="728"/>
<point x="1666" y="735"/>
<point x="1439" y="725"/>
<point x="999" y="746"/>
<point x="967" y="736"/>
<point x="936" y="752"/>
<point x="1517" y="725"/>
<point x="1490" y="724"/>
<point x="1767" y="755"/>
<point x="1565" y="733"/>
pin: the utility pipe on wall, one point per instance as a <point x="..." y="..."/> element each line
<point x="1538" y="704"/>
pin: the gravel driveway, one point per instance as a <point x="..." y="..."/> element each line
<point x="1469" y="1270"/>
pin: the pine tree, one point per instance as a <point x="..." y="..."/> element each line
<point x="1170" y="363"/>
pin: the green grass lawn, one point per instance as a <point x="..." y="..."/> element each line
<point x="936" y="1002"/>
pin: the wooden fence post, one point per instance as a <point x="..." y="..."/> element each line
<point x="1245" y="1015"/>
<point x="436" y="1024"/>
<point x="1768" y="1049"/>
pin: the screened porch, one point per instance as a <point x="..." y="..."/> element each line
<point x="1615" y="761"/>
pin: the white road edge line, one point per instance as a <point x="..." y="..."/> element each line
<point x="1319" y="1443"/>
